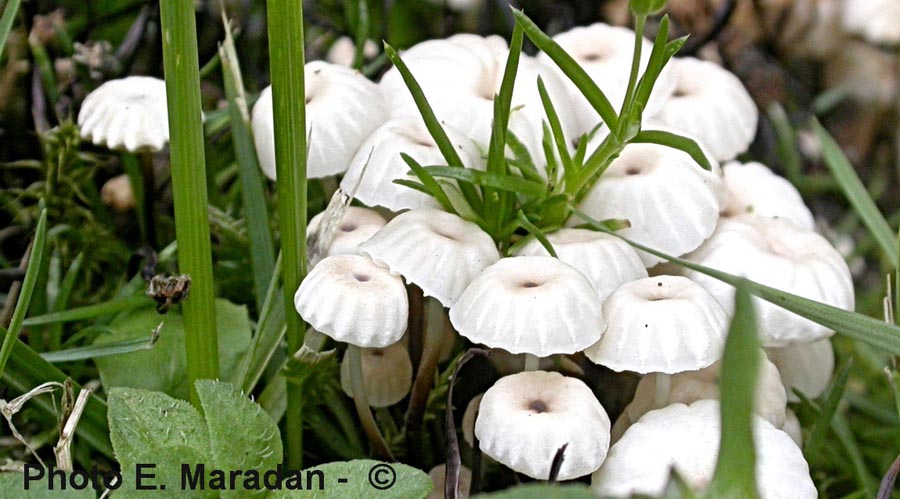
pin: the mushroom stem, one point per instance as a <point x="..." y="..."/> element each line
<point x="431" y="353"/>
<point x="663" y="387"/>
<point x="149" y="188"/>
<point x="532" y="362"/>
<point x="415" y="324"/>
<point x="362" y="405"/>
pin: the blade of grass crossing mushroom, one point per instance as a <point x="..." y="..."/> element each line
<point x="286" y="54"/>
<point x="36" y="255"/>
<point x="262" y="252"/>
<point x="734" y="475"/>
<point x="851" y="324"/>
<point x="537" y="233"/>
<point x="557" y="463"/>
<point x="674" y="141"/>
<point x="857" y="194"/>
<point x="188" y="165"/>
<point x="559" y="137"/>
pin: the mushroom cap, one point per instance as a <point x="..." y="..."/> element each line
<point x="775" y="252"/>
<point x="435" y="250"/>
<point x="606" y="260"/>
<point x="525" y="418"/>
<point x="686" y="438"/>
<point x="343" y="51"/>
<point x="438" y="476"/>
<point x="128" y="114"/>
<point x="752" y="187"/>
<point x="605" y="53"/>
<point x="387" y="374"/>
<point x="646" y="185"/>
<point x="377" y="163"/>
<point x="342" y="109"/>
<point x="468" y="419"/>
<point x="792" y="428"/>
<point x="690" y="386"/>
<point x="665" y="324"/>
<point x="356" y="227"/>
<point x="711" y="104"/>
<point x="118" y="194"/>
<point x="530" y="304"/>
<point x="351" y="299"/>
<point x="878" y="21"/>
<point x="806" y="367"/>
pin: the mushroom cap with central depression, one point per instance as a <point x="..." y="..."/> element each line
<point x="530" y="304"/>
<point x="127" y="115"/>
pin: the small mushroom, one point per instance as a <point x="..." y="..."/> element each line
<point x="665" y="324"/>
<point x="343" y="51"/>
<point x="711" y="104"/>
<point x="753" y="188"/>
<point x="805" y="367"/>
<point x="387" y="374"/>
<point x="350" y="298"/>
<point x="118" y="194"/>
<point x="127" y="115"/>
<point x="435" y="250"/>
<point x="792" y="428"/>
<point x="607" y="261"/>
<point x="648" y="184"/>
<point x="878" y="21"/>
<point x="525" y="418"/>
<point x="356" y="227"/>
<point x="775" y="252"/>
<point x="605" y="53"/>
<point x="530" y="304"/>
<point x="686" y="438"/>
<point x="342" y="109"/>
<point x="377" y="163"/>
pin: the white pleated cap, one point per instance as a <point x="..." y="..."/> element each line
<point x="377" y="163"/>
<point x="525" y="418"/>
<point x="387" y="374"/>
<point x="356" y="227"/>
<point x="435" y="250"/>
<point x="128" y="114"/>
<point x="806" y="367"/>
<point x="607" y="261"/>
<point x="666" y="324"/>
<point x="351" y="299"/>
<point x="777" y="253"/>
<point x="342" y="109"/>
<point x="686" y="438"/>
<point x="530" y="304"/>
<point x="753" y="188"/>
<point x="878" y="21"/>
<point x="648" y="184"/>
<point x="712" y="105"/>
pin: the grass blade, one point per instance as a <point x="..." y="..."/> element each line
<point x="734" y="476"/>
<point x="91" y="311"/>
<point x="433" y="187"/>
<point x="270" y="331"/>
<point x="674" y="141"/>
<point x="7" y="20"/>
<point x="35" y="258"/>
<point x="559" y="137"/>
<point x="286" y="55"/>
<point x="94" y="351"/>
<point x="188" y="164"/>
<point x="826" y="414"/>
<point x="856" y="193"/>
<point x="537" y="233"/>
<point x="487" y="179"/>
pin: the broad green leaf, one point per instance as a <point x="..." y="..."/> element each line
<point x="257" y="446"/>
<point x="541" y="491"/>
<point x="148" y="427"/>
<point x="12" y="486"/>
<point x="857" y="194"/>
<point x="674" y="141"/>
<point x="488" y="179"/>
<point x="734" y="476"/>
<point x="164" y="368"/>
<point x="572" y="69"/>
<point x="365" y="478"/>
<point x="851" y="324"/>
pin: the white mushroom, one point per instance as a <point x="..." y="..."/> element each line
<point x="387" y="374"/>
<point x="805" y="367"/>
<point x="343" y="51"/>
<point x="468" y="419"/>
<point x="711" y="104"/>
<point x="607" y="261"/>
<point x="118" y="194"/>
<point x="342" y="109"/>
<point x="351" y="299"/>
<point x="672" y="203"/>
<point x="530" y="304"/>
<point x="877" y="21"/>
<point x="377" y="163"/>
<point x="665" y="324"/>
<point x="686" y="438"/>
<point x="525" y="418"/>
<point x="356" y="227"/>
<point x="776" y="253"/>
<point x="127" y="115"/>
<point x="605" y="53"/>
<point x="792" y="428"/>
<point x="435" y="250"/>
<point x="752" y="187"/>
